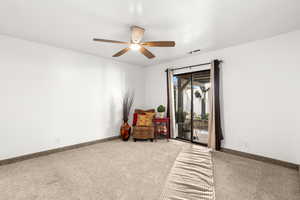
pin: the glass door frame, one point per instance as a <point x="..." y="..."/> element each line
<point x="192" y="107"/>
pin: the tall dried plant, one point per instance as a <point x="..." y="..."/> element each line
<point x="128" y="100"/>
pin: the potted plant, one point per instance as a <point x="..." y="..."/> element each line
<point x="161" y="111"/>
<point x="127" y="105"/>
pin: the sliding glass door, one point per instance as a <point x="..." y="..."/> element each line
<point x="183" y="85"/>
<point x="201" y="87"/>
<point x="191" y="106"/>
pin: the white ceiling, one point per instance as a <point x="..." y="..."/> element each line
<point x="193" y="24"/>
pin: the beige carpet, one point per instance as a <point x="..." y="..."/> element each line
<point x="106" y="171"/>
<point x="239" y="178"/>
<point x="119" y="170"/>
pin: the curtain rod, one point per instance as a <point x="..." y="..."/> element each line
<point x="201" y="64"/>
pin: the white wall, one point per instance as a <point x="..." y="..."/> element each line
<point x="260" y="94"/>
<point x="51" y="97"/>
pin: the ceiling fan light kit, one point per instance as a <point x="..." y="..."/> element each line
<point x="135" y="44"/>
<point x="137" y="34"/>
<point x="135" y="47"/>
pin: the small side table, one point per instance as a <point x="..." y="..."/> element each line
<point x="164" y="130"/>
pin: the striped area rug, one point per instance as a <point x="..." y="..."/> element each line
<point x="191" y="177"/>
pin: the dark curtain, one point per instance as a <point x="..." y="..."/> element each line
<point x="168" y="98"/>
<point x="218" y="129"/>
<point x="168" y="95"/>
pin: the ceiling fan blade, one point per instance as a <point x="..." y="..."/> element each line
<point x="111" y="41"/>
<point x="121" y="52"/>
<point x="146" y="53"/>
<point x="159" y="43"/>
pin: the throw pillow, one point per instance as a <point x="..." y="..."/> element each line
<point x="145" y="120"/>
<point x="135" y="118"/>
<point x="142" y="120"/>
<point x="150" y="115"/>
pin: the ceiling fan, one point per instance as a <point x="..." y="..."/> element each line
<point x="136" y="44"/>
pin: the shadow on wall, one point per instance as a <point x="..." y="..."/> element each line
<point x="115" y="117"/>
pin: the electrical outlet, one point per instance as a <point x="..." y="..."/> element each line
<point x="246" y="145"/>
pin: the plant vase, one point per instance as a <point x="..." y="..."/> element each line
<point x="125" y="131"/>
<point x="160" y="114"/>
<point x="127" y="105"/>
<point x="161" y="111"/>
